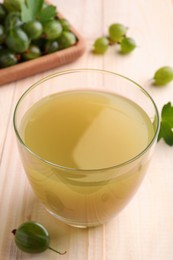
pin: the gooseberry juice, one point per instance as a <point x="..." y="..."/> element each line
<point x="83" y="141"/>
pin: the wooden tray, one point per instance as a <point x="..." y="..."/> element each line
<point x="43" y="63"/>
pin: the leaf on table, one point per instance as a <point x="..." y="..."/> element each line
<point x="166" y="126"/>
<point x="167" y="114"/>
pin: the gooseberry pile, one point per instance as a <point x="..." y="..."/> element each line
<point x="30" y="29"/>
<point x="116" y="35"/>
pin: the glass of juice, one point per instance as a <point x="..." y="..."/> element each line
<point x="85" y="138"/>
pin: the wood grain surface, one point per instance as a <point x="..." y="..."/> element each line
<point x="144" y="229"/>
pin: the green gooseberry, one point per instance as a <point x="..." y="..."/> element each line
<point x="127" y="45"/>
<point x="117" y="31"/>
<point x="51" y="46"/>
<point x="163" y="76"/>
<point x="101" y="45"/>
<point x="65" y="24"/>
<point x="32" y="237"/>
<point x="52" y="29"/>
<point x="33" y="29"/>
<point x="17" y="40"/>
<point x="8" y="58"/>
<point x="32" y="52"/>
<point x="66" y="39"/>
<point x="13" y="20"/>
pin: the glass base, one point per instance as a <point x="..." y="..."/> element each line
<point x="72" y="223"/>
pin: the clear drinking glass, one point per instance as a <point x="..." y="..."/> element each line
<point x="85" y="196"/>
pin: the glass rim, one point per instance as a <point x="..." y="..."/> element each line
<point x="71" y="169"/>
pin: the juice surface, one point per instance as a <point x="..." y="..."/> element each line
<point x="86" y="129"/>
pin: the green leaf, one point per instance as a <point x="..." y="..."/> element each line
<point x="47" y="13"/>
<point x="30" y="9"/>
<point x="166" y="127"/>
<point x="166" y="133"/>
<point x="167" y="114"/>
<point x="25" y="13"/>
<point x="35" y="7"/>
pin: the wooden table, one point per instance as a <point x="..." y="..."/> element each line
<point x="144" y="229"/>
